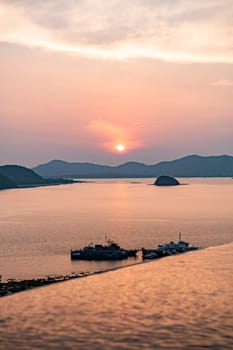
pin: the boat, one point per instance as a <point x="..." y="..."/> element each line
<point x="168" y="249"/>
<point x="109" y="251"/>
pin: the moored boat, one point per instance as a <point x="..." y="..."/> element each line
<point x="109" y="251"/>
<point x="168" y="249"/>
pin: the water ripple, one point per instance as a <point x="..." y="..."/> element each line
<point x="182" y="302"/>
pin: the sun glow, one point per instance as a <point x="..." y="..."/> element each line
<point x="120" y="148"/>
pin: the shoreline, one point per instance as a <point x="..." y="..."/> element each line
<point x="68" y="182"/>
<point x="13" y="286"/>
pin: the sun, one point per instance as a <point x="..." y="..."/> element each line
<point x="120" y="148"/>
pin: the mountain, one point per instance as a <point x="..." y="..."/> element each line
<point x="86" y="170"/>
<point x="197" y="166"/>
<point x="190" y="166"/>
<point x="14" y="176"/>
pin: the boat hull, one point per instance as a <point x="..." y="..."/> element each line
<point x="161" y="253"/>
<point x="76" y="255"/>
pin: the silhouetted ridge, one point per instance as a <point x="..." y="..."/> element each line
<point x="13" y="176"/>
<point x="197" y="166"/>
<point x="20" y="175"/>
<point x="190" y="166"/>
<point x="131" y="165"/>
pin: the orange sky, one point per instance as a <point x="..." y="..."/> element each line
<point x="82" y="77"/>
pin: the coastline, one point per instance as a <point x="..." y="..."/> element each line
<point x="90" y="179"/>
<point x="66" y="182"/>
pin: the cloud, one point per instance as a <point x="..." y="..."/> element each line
<point x="222" y="82"/>
<point x="109" y="129"/>
<point x="171" y="30"/>
<point x="106" y="132"/>
<point x="109" y="135"/>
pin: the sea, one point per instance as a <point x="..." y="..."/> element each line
<point x="39" y="226"/>
<point x="178" y="302"/>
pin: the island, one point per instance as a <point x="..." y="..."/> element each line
<point x="166" y="181"/>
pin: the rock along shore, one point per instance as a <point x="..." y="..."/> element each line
<point x="13" y="286"/>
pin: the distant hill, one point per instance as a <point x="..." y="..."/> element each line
<point x="14" y="176"/>
<point x="197" y="166"/>
<point x="85" y="170"/>
<point x="190" y="166"/>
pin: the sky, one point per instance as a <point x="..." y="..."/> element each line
<point x="81" y="77"/>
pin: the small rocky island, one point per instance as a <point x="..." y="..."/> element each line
<point x="166" y="181"/>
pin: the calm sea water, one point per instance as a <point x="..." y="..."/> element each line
<point x="179" y="303"/>
<point x="39" y="226"/>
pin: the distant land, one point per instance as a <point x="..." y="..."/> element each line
<point x="15" y="176"/>
<point x="60" y="172"/>
<point x="190" y="166"/>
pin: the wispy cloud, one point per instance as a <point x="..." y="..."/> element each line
<point x="172" y="30"/>
<point x="223" y="82"/>
<point x="111" y="134"/>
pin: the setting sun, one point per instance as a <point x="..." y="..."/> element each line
<point x="120" y="148"/>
